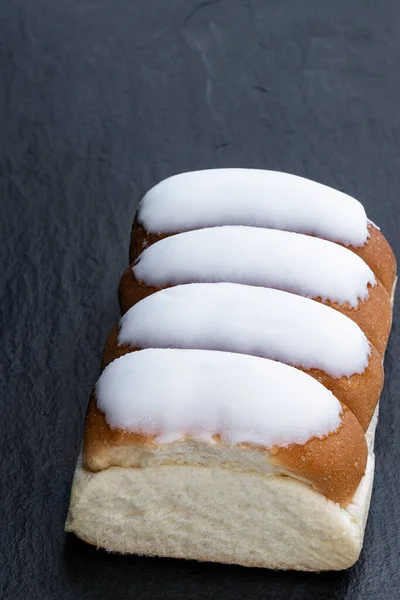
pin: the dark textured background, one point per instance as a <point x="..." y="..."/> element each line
<point x="99" y="100"/>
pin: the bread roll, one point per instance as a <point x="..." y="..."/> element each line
<point x="154" y="398"/>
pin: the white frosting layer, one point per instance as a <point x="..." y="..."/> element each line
<point x="173" y="393"/>
<point x="287" y="261"/>
<point x="250" y="320"/>
<point x="253" y="197"/>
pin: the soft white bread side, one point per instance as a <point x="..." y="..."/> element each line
<point x="215" y="514"/>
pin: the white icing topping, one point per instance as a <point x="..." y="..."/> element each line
<point x="287" y="261"/>
<point x="170" y="393"/>
<point x="249" y="320"/>
<point x="253" y="197"/>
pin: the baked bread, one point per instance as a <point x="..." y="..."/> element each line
<point x="234" y="419"/>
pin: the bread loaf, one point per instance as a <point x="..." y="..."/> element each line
<point x="234" y="418"/>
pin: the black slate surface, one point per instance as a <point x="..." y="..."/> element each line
<point x="100" y="100"/>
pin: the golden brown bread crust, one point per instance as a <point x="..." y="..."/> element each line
<point x="376" y="252"/>
<point x="373" y="315"/>
<point x="99" y="437"/>
<point x="333" y="465"/>
<point x="379" y="256"/>
<point x="359" y="392"/>
<point x="142" y="239"/>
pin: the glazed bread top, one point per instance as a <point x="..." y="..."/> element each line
<point x="283" y="260"/>
<point x="253" y="197"/>
<point x="243" y="399"/>
<point x="154" y="400"/>
<point x="248" y="320"/>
